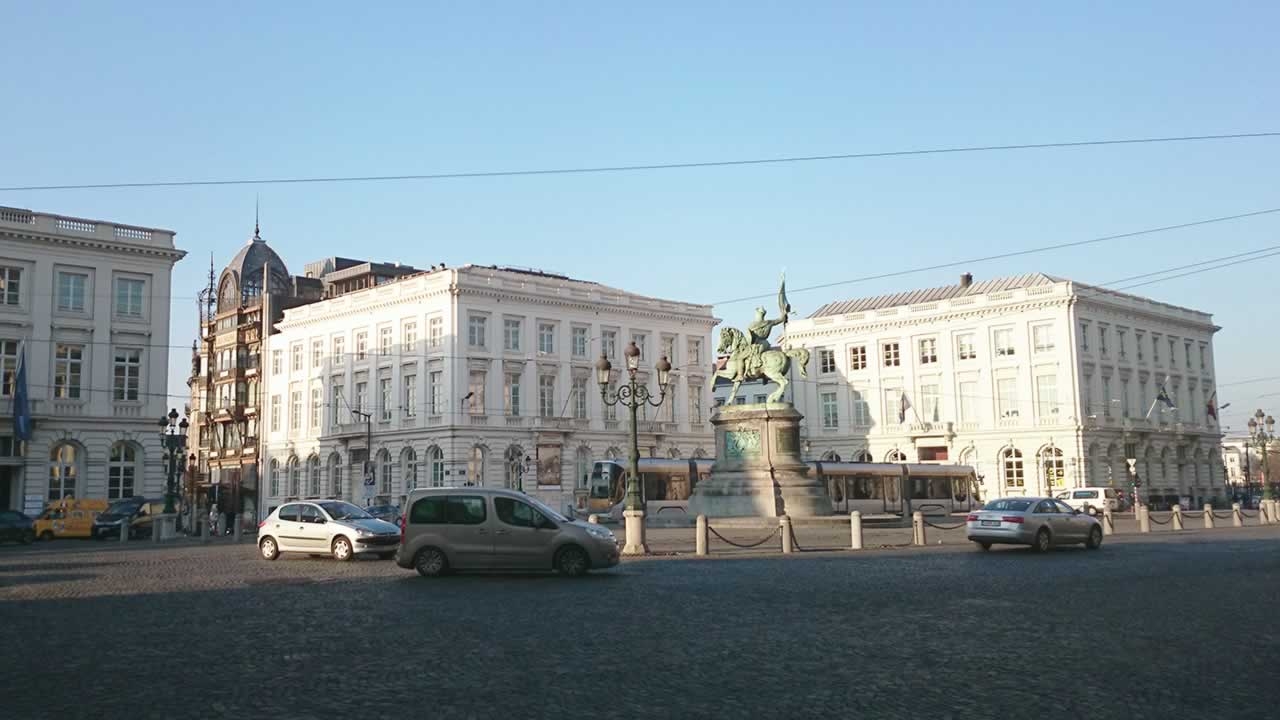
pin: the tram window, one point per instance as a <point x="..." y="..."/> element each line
<point x="939" y="489"/>
<point x="890" y="486"/>
<point x="960" y="489"/>
<point x="861" y="489"/>
<point x="836" y="485"/>
<point x="678" y="487"/>
<point x="919" y="488"/>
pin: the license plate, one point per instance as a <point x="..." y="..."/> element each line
<point x="990" y="523"/>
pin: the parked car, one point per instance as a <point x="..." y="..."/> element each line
<point x="389" y="513"/>
<point x="326" y="527"/>
<point x="492" y="529"/>
<point x="68" y="518"/>
<point x="1092" y="500"/>
<point x="16" y="527"/>
<point x="1036" y="521"/>
<point x="136" y="512"/>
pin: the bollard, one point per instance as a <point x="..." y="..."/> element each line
<point x="701" y="537"/>
<point x="157" y="529"/>
<point x="124" y="530"/>
<point x="785" y="523"/>
<point x="1144" y="519"/>
<point x="239" y="531"/>
<point x="1237" y="519"/>
<point x="1262" y="514"/>
<point x="1177" y="517"/>
<point x="855" y="530"/>
<point x="917" y="528"/>
<point x="1208" y="516"/>
<point x="1108" y="522"/>
<point x="204" y="531"/>
<point x="594" y="519"/>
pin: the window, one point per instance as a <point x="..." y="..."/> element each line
<point x="277" y="361"/>
<point x="611" y="411"/>
<point x="313" y="475"/>
<point x="339" y="351"/>
<point x="930" y="400"/>
<point x="476" y="326"/>
<point x="295" y="357"/>
<point x="316" y="404"/>
<point x="513" y="394"/>
<point x="317" y="353"/>
<point x="410" y="395"/>
<point x="510" y="335"/>
<point x="273" y="479"/>
<point x="1138" y="339"/>
<point x="966" y="346"/>
<point x="475" y="387"/>
<point x="830" y="412"/>
<point x="547" y="396"/>
<point x="1002" y="338"/>
<point x="1120" y="343"/>
<point x="121" y="471"/>
<point x="928" y="351"/>
<point x="435" y="466"/>
<point x="580" y="398"/>
<point x="384" y="399"/>
<point x="640" y="339"/>
<point x="968" y="401"/>
<point x="1007" y="397"/>
<point x="1042" y="338"/>
<point x="1102" y="340"/>
<point x="1013" y="470"/>
<point x="71" y="289"/>
<point x="580" y="342"/>
<point x="362" y="345"/>
<point x="68" y="366"/>
<point x="64" y="468"/>
<point x="1203" y="364"/>
<point x="891" y="356"/>
<point x="435" y="332"/>
<point x="1187" y="346"/>
<point x="1155" y="349"/>
<point x="546" y="338"/>
<point x="1084" y="336"/>
<point x="128" y="374"/>
<point x="609" y="343"/>
<point x="10" y="285"/>
<point x="695" y="404"/>
<point x="435" y="388"/>
<point x="861" y="409"/>
<point x="1124" y="397"/>
<point x="362" y="396"/>
<point x="384" y="472"/>
<point x="1046" y="395"/>
<point x="826" y="361"/>
<point x="1173" y="358"/>
<point x="475" y="466"/>
<point x="275" y="413"/>
<point x="409" y="337"/>
<point x="384" y="341"/>
<point x="409" y="468"/>
<point x="1086" y="393"/>
<point x="295" y="410"/>
<point x="129" y="298"/>
<point x="338" y="404"/>
<point x="695" y="352"/>
<point x="1106" y="396"/>
<point x="761" y="399"/>
<point x="858" y="357"/>
<point x="669" y="349"/>
<point x="893" y="406"/>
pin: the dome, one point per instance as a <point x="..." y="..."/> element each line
<point x="241" y="279"/>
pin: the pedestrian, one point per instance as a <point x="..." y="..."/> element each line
<point x="213" y="519"/>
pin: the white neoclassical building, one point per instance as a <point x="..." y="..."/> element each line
<point x="1040" y="383"/>
<point x="476" y="375"/>
<point x="89" y="301"/>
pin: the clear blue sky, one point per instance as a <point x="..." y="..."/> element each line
<point x="97" y="92"/>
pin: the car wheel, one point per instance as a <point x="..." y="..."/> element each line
<point x="47" y="535"/>
<point x="28" y="537"/>
<point x="572" y="561"/>
<point x="1091" y="510"/>
<point x="342" y="549"/>
<point x="984" y="545"/>
<point x="268" y="548"/>
<point x="1043" y="541"/>
<point x="431" y="562"/>
<point x="1095" y="538"/>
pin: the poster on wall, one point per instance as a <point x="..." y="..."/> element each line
<point x="549" y="465"/>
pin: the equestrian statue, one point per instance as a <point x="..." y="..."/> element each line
<point x="750" y="357"/>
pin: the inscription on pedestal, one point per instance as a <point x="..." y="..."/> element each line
<point x="788" y="441"/>
<point x="740" y="444"/>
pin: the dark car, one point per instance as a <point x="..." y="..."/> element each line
<point x="16" y="527"/>
<point x="137" y="512"/>
<point x="390" y="513"/>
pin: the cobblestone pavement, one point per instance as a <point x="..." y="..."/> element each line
<point x="1151" y="626"/>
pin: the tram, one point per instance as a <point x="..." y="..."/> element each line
<point x="874" y="489"/>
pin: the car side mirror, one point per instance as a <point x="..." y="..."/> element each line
<point x="319" y="521"/>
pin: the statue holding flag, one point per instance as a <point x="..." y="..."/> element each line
<point x="751" y="357"/>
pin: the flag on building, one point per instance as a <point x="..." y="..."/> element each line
<point x="1212" y="409"/>
<point x="21" y="400"/>
<point x="1163" y="397"/>
<point x="903" y="406"/>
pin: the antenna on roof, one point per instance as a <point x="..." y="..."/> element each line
<point x="256" y="233"/>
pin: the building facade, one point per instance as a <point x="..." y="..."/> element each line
<point x="474" y="375"/>
<point x="1039" y="383"/>
<point x="87" y="303"/>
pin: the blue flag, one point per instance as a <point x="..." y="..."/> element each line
<point x="21" y="401"/>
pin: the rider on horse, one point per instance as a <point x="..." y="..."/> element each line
<point x="759" y="332"/>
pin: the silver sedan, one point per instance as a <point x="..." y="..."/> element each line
<point x="1036" y="521"/>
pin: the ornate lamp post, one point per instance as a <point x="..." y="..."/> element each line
<point x="1261" y="427"/>
<point x="633" y="396"/>
<point x="173" y="440"/>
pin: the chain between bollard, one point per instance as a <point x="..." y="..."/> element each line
<point x="1223" y="516"/>
<point x="945" y="527"/>
<point x="794" y="544"/>
<point x="1159" y="522"/>
<point x="1193" y="513"/>
<point x="764" y="540"/>
<point x="1245" y="514"/>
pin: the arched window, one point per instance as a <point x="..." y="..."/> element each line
<point x="273" y="479"/>
<point x="895" y="456"/>
<point x="384" y="472"/>
<point x="1052" y="468"/>
<point x="335" y="474"/>
<point x="862" y="456"/>
<point x="64" y="471"/>
<point x="313" y="475"/>
<point x="831" y="456"/>
<point x="582" y="467"/>
<point x="699" y="454"/>
<point x="513" y="467"/>
<point x="122" y="471"/>
<point x="1011" y="460"/>
<point x="435" y="462"/>
<point x="613" y="453"/>
<point x="295" y="478"/>
<point x="475" y="467"/>
<point x="674" y="453"/>
<point x="409" y="468"/>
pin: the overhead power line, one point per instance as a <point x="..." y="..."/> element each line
<point x="642" y="167"/>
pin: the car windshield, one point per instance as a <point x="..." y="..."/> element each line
<point x="124" y="507"/>
<point x="545" y="510"/>
<point x="344" y="511"/>
<point x="1008" y="505"/>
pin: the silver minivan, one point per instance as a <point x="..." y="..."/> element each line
<point x="470" y="528"/>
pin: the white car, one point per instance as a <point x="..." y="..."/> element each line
<point x="1092" y="500"/>
<point x="326" y="527"/>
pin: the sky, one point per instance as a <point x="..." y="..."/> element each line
<point x="133" y="92"/>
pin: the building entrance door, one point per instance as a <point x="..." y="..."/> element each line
<point x="7" y="501"/>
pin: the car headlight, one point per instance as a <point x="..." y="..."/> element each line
<point x="599" y="532"/>
<point x="363" y="533"/>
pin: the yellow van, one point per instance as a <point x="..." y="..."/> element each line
<point x="67" y="518"/>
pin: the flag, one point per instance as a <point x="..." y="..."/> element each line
<point x="903" y="406"/>
<point x="1212" y="409"/>
<point x="784" y="307"/>
<point x="1163" y="397"/>
<point x="21" y="401"/>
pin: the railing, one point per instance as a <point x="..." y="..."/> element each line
<point x="612" y="424"/>
<point x="435" y="420"/>
<point x="479" y="419"/>
<point x="129" y="233"/>
<point x="68" y="407"/>
<point x="79" y="226"/>
<point x="21" y="217"/>
<point x="409" y="421"/>
<point x="515" y="421"/>
<point x="127" y="411"/>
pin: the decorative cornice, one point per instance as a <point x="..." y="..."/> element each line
<point x="897" y="321"/>
<point x="173" y="255"/>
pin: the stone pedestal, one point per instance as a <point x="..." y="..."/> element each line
<point x="758" y="470"/>
<point x="633" y="520"/>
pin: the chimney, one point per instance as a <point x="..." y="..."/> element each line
<point x="966" y="280"/>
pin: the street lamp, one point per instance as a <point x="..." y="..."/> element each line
<point x="173" y="441"/>
<point x="633" y="396"/>
<point x="1261" y="431"/>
